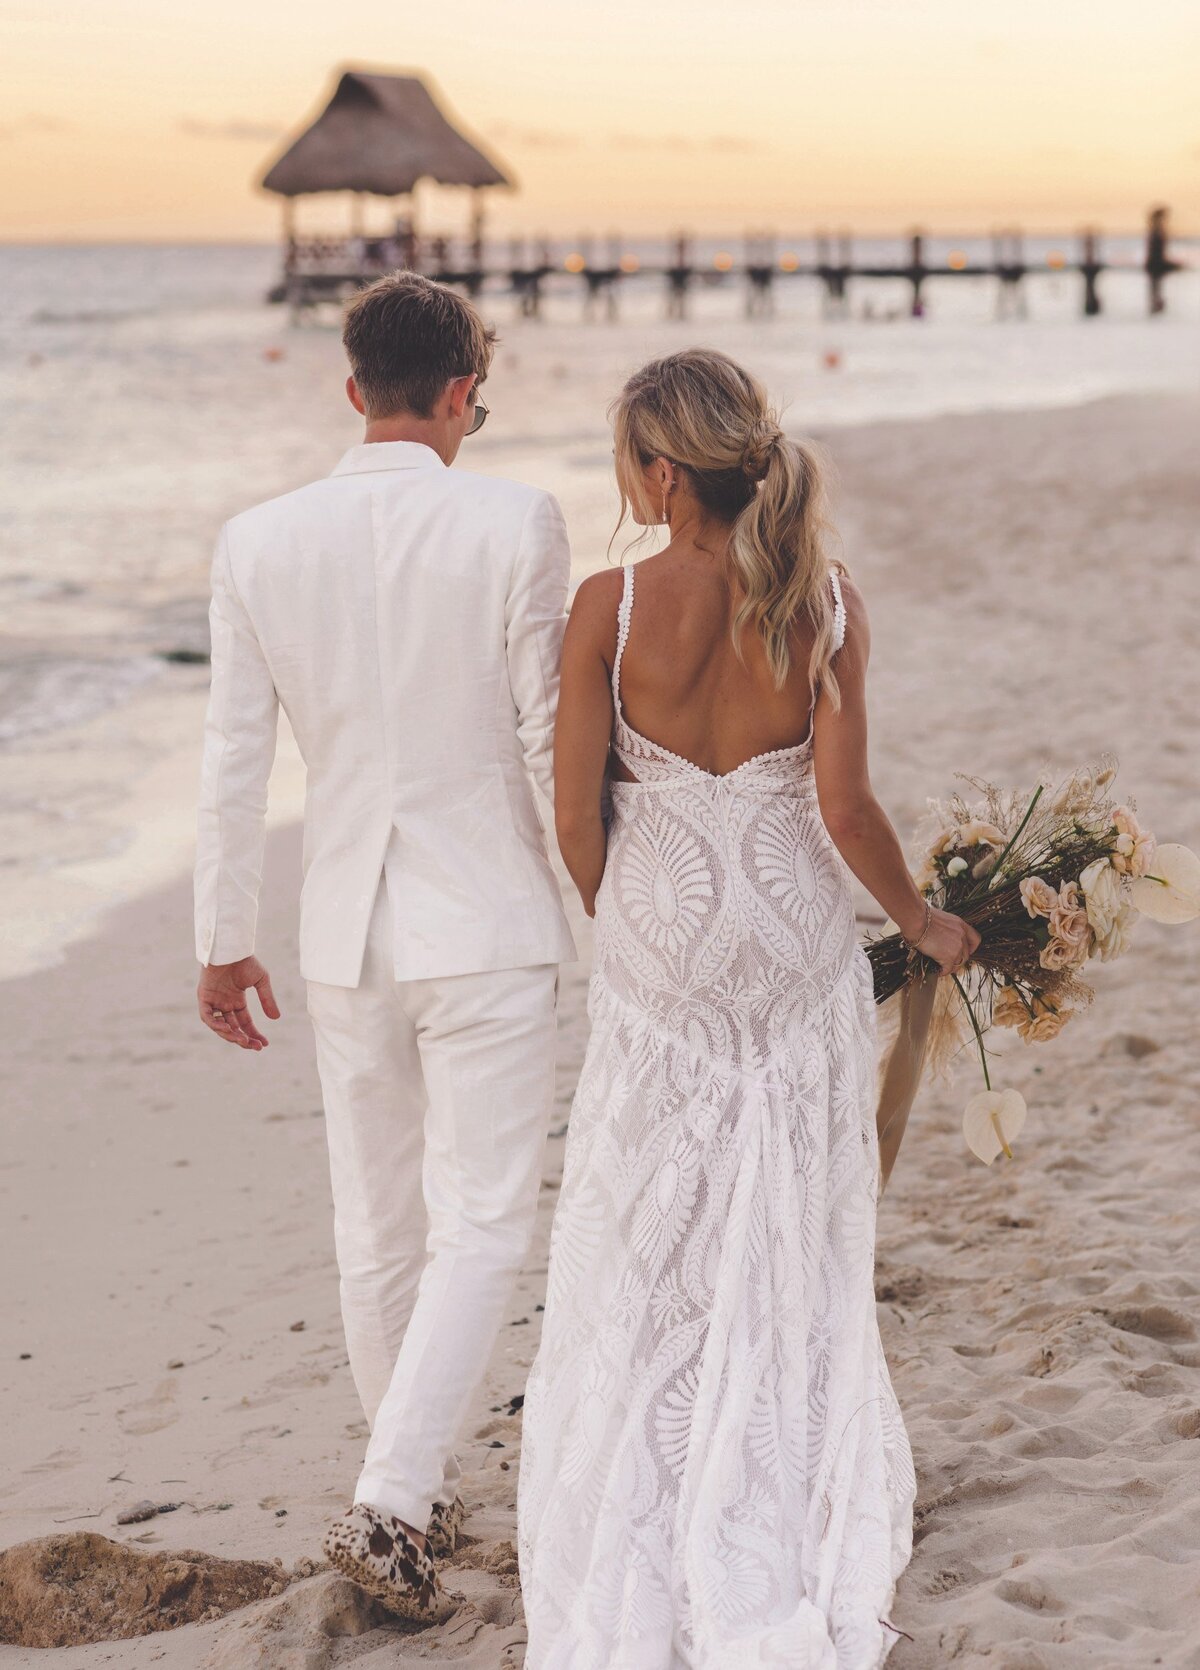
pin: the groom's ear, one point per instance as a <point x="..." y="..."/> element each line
<point x="354" y="397"/>
<point x="459" y="391"/>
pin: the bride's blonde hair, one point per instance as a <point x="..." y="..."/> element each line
<point x="703" y="413"/>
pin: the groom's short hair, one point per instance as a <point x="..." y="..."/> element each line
<point x="407" y="337"/>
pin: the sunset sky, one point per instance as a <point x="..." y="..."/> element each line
<point x="153" y="118"/>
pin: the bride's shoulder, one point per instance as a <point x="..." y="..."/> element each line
<point x="594" y="607"/>
<point x="598" y="594"/>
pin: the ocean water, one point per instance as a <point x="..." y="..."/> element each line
<point x="147" y="392"/>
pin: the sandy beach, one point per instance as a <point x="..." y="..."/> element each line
<point x="172" y="1328"/>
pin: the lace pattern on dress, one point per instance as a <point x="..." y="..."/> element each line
<point x="715" y="1473"/>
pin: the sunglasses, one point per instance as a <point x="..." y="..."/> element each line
<point x="480" y="415"/>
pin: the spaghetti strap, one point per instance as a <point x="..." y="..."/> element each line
<point x="625" y="609"/>
<point x="839" y="611"/>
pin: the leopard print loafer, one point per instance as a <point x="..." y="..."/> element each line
<point x="445" y="1522"/>
<point x="374" y="1550"/>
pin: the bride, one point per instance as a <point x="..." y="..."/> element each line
<point x="715" y="1472"/>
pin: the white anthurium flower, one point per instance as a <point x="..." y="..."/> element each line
<point x="956" y="867"/>
<point x="1171" y="890"/>
<point x="992" y="1121"/>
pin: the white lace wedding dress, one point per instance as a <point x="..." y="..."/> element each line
<point x="715" y="1473"/>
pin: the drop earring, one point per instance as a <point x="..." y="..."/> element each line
<point x="665" y="517"/>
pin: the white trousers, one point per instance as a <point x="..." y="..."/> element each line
<point x="437" y="1104"/>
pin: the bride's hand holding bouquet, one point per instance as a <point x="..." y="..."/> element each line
<point x="1042" y="883"/>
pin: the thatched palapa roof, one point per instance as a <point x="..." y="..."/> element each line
<point x="380" y="134"/>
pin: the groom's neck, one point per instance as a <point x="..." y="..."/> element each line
<point x="407" y="426"/>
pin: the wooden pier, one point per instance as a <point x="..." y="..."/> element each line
<point x="319" y="270"/>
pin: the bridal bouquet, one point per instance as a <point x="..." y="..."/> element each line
<point x="1051" y="880"/>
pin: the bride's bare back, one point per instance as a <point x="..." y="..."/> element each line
<point x="683" y="683"/>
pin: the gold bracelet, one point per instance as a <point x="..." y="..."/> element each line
<point x="914" y="944"/>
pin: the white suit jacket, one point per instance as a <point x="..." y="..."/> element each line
<point x="409" y="619"/>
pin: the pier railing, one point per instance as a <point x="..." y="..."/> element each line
<point x="318" y="270"/>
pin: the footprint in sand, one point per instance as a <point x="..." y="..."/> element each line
<point x="1155" y="1321"/>
<point x="151" y="1414"/>
<point x="1028" y="1592"/>
<point x="1056" y="1441"/>
<point x="56" y="1462"/>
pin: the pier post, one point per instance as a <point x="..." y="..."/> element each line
<point x="679" y="278"/>
<point x="1091" y="266"/>
<point x="917" y="273"/>
<point x="760" y="274"/>
<point x="833" y="270"/>
<point x="585" y="245"/>
<point x="475" y="274"/>
<point x="525" y="274"/>
<point x="1158" y="257"/>
<point x="610" y="278"/>
<point x="1008" y="262"/>
<point x="845" y="266"/>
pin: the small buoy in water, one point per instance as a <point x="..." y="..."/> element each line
<point x="831" y="359"/>
<point x="273" y="354"/>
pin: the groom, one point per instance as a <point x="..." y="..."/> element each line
<point x="408" y="618"/>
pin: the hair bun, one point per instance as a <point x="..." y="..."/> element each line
<point x="763" y="437"/>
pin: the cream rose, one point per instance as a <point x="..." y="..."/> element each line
<point x="1125" y="823"/>
<point x="1102" y="895"/>
<point x="1055" y="956"/>
<point x="1047" y="1023"/>
<point x="1069" y="927"/>
<point x="1036" y="1020"/>
<point x="976" y="833"/>
<point x="928" y="876"/>
<point x="1009" y="1009"/>
<point x="1038" y="896"/>
<point x="1132" y="854"/>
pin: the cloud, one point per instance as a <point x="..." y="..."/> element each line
<point x="534" y="139"/>
<point x="32" y="124"/>
<point x="235" y="128"/>
<point x="555" y="139"/>
<point x="680" y="142"/>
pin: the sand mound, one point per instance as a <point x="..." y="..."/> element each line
<point x="78" y="1588"/>
<point x="301" y="1627"/>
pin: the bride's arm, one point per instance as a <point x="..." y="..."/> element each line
<point x="583" y="730"/>
<point x="858" y="826"/>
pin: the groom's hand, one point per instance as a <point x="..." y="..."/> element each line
<point x="222" y="998"/>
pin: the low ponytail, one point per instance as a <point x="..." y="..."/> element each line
<point x="708" y="416"/>
<point x="777" y="549"/>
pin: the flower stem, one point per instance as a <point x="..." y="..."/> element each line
<point x="962" y="992"/>
<point x="1020" y="830"/>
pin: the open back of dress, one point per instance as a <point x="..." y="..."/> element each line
<point x="715" y="1473"/>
